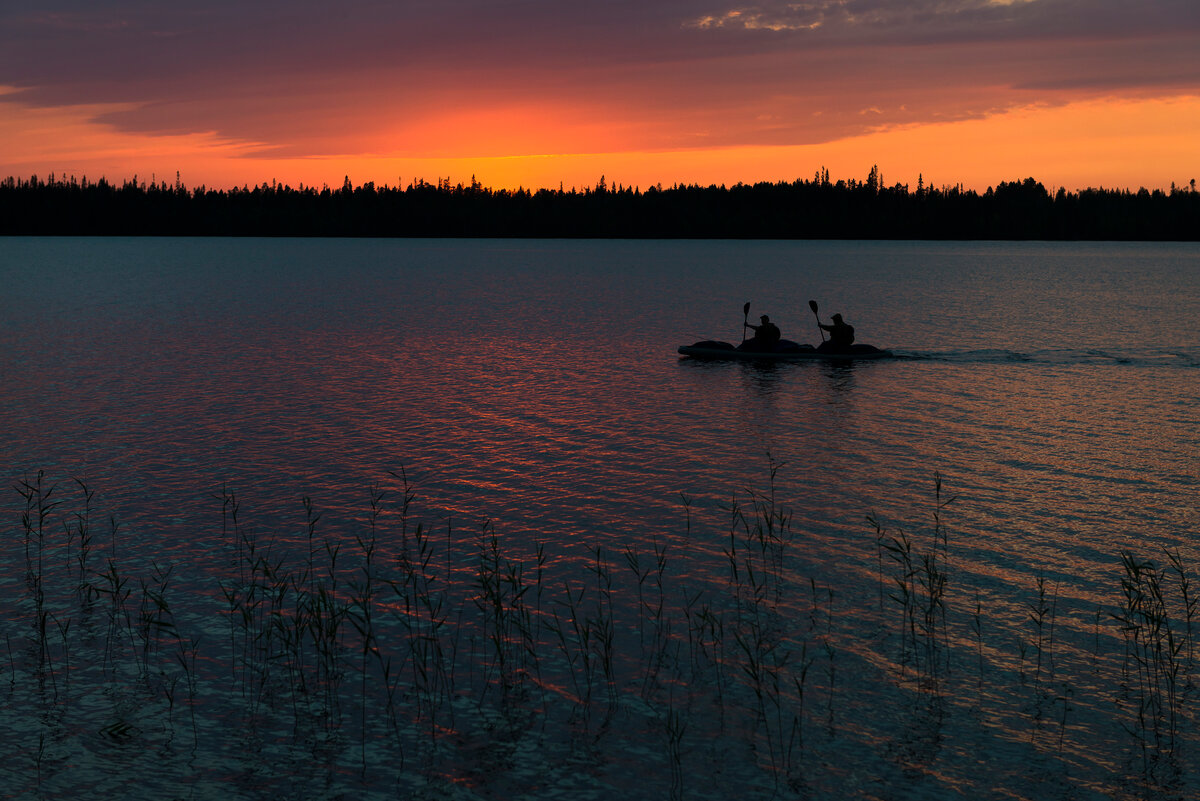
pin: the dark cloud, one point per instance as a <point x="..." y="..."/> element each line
<point x="898" y="22"/>
<point x="292" y="74"/>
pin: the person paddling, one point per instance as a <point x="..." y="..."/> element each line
<point x="841" y="334"/>
<point x="766" y="336"/>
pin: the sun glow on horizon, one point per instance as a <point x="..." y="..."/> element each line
<point x="1114" y="143"/>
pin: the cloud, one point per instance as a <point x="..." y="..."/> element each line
<point x="304" y="78"/>
<point x="922" y="21"/>
<point x="757" y="19"/>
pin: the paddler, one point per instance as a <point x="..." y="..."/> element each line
<point x="766" y="336"/>
<point x="841" y="334"/>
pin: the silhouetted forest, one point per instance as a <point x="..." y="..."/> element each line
<point x="804" y="209"/>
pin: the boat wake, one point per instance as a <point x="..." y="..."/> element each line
<point x="1144" y="357"/>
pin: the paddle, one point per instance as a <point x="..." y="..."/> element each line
<point x="746" y="320"/>
<point x="812" y="304"/>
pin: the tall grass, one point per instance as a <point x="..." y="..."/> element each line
<point x="381" y="644"/>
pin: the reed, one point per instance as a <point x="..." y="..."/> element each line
<point x="116" y="587"/>
<point x="800" y="681"/>
<point x="920" y="592"/>
<point x="187" y="654"/>
<point x="506" y="621"/>
<point x="574" y="639"/>
<point x="361" y="610"/>
<point x="1189" y="601"/>
<point x="373" y="643"/>
<point x="675" y="726"/>
<point x="1155" y="652"/>
<point x="423" y="614"/>
<point x="940" y="502"/>
<point x="38" y="509"/>
<point x="83" y="530"/>
<point x="1065" y="699"/>
<point x="904" y="595"/>
<point x="603" y="620"/>
<point x="881" y="546"/>
<point x="154" y="612"/>
<point x="977" y="630"/>
<point x="1038" y="612"/>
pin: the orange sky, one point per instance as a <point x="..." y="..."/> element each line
<point x="967" y="91"/>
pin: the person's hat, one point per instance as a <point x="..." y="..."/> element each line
<point x="837" y="317"/>
<point x="764" y="318"/>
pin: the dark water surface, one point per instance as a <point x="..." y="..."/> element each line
<point x="530" y="390"/>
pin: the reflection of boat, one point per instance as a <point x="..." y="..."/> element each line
<point x="785" y="351"/>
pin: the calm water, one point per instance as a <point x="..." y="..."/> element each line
<point x="531" y="390"/>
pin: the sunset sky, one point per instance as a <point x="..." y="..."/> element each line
<point x="534" y="93"/>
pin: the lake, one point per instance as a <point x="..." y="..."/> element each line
<point x="452" y="519"/>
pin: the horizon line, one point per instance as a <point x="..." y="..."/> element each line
<point x="821" y="176"/>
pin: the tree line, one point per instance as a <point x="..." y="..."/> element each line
<point x="815" y="208"/>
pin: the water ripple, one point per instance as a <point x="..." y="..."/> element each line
<point x="534" y="387"/>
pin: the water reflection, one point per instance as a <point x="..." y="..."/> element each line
<point x="841" y="378"/>
<point x="319" y="387"/>
<point x="765" y="378"/>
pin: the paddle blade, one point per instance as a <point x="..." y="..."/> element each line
<point x="812" y="304"/>
<point x="746" y="308"/>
